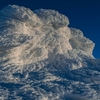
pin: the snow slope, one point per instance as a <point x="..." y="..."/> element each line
<point x="41" y="58"/>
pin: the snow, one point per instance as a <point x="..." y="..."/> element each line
<point x="41" y="58"/>
<point x="79" y="42"/>
<point x="53" y="18"/>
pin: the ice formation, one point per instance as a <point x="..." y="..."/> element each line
<point x="44" y="58"/>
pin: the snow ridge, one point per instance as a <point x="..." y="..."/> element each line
<point x="44" y="58"/>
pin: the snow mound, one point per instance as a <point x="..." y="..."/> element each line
<point x="52" y="17"/>
<point x="79" y="42"/>
<point x="28" y="37"/>
<point x="44" y="58"/>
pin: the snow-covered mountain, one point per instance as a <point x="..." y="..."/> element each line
<point x="41" y="58"/>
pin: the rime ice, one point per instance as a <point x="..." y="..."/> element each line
<point x="44" y="58"/>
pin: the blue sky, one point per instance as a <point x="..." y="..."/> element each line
<point x="83" y="14"/>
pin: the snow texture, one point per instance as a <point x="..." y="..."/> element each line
<point x="41" y="58"/>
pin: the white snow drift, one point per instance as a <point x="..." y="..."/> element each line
<point x="40" y="53"/>
<point x="28" y="37"/>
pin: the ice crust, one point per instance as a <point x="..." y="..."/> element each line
<point x="44" y="58"/>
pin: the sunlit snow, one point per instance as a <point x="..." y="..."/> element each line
<point x="41" y="58"/>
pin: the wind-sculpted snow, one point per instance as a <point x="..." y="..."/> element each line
<point x="41" y="58"/>
<point x="53" y="18"/>
<point x="79" y="42"/>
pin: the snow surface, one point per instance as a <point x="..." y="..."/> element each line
<point x="41" y="58"/>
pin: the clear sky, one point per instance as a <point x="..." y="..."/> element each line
<point x="83" y="14"/>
